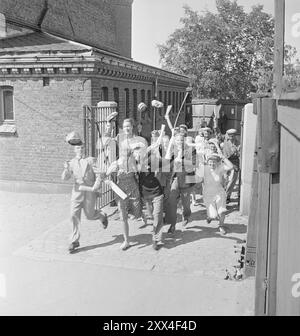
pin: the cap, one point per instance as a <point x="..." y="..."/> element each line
<point x="142" y="107"/>
<point x="214" y="157"/>
<point x="155" y="133"/>
<point x="213" y="141"/>
<point x="157" y="104"/>
<point x="111" y="116"/>
<point x="231" y="131"/>
<point x="183" y="126"/>
<point x="207" y="129"/>
<point x="74" y="139"/>
<point x="137" y="145"/>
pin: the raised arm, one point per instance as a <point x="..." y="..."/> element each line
<point x="167" y="117"/>
<point x="170" y="147"/>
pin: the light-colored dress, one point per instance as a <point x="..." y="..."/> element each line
<point x="214" y="194"/>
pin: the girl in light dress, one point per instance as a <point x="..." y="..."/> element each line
<point x="214" y="194"/>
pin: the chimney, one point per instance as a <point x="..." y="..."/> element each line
<point x="123" y="17"/>
<point x="2" y="26"/>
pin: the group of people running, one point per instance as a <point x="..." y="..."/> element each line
<point x="158" y="175"/>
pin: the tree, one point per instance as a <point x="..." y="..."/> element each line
<point x="229" y="54"/>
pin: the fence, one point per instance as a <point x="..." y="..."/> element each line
<point x="94" y="124"/>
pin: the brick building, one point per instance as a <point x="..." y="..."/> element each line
<point x="47" y="79"/>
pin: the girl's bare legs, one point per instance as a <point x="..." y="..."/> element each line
<point x="221" y="223"/>
<point x="125" y="245"/>
<point x="124" y="219"/>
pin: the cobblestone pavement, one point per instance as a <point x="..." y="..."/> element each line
<point x="37" y="228"/>
<point x="197" y="249"/>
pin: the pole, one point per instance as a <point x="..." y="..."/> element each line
<point x="279" y="6"/>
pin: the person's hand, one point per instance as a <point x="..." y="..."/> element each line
<point x="178" y="159"/>
<point x="96" y="188"/>
<point x="67" y="165"/>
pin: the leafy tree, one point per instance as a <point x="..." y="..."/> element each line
<point x="227" y="54"/>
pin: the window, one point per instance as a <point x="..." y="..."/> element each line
<point x="46" y="81"/>
<point x="7" y="104"/>
<point x="174" y="103"/>
<point x="149" y="98"/>
<point x="160" y="96"/>
<point x="116" y="96"/>
<point x="104" y="93"/>
<point x="143" y="96"/>
<point x="135" y="103"/>
<point x="127" y="112"/>
<point x="166" y="99"/>
<point x="7" y="115"/>
<point x="117" y="100"/>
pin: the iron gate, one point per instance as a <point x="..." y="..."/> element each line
<point x="94" y="122"/>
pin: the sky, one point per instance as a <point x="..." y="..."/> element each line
<point x="154" y="20"/>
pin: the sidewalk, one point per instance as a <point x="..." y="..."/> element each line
<point x="36" y="228"/>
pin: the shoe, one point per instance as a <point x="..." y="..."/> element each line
<point x="208" y="220"/>
<point x="73" y="246"/>
<point x="222" y="230"/>
<point x="171" y="229"/>
<point x="125" y="245"/>
<point x="155" y="246"/>
<point x="104" y="222"/>
<point x="196" y="203"/>
<point x="185" y="222"/>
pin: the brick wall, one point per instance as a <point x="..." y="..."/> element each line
<point x="44" y="115"/>
<point x="105" y="24"/>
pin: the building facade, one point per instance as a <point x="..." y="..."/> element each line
<point x="46" y="80"/>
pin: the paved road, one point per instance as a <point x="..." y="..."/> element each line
<point x="185" y="277"/>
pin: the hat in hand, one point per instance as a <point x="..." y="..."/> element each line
<point x="111" y="116"/>
<point x="231" y="131"/>
<point x="142" y="107"/>
<point x="215" y="157"/>
<point x="74" y="139"/>
<point x="157" y="104"/>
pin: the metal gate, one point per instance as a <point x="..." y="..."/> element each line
<point x="94" y="122"/>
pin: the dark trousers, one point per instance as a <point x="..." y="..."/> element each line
<point x="176" y="192"/>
